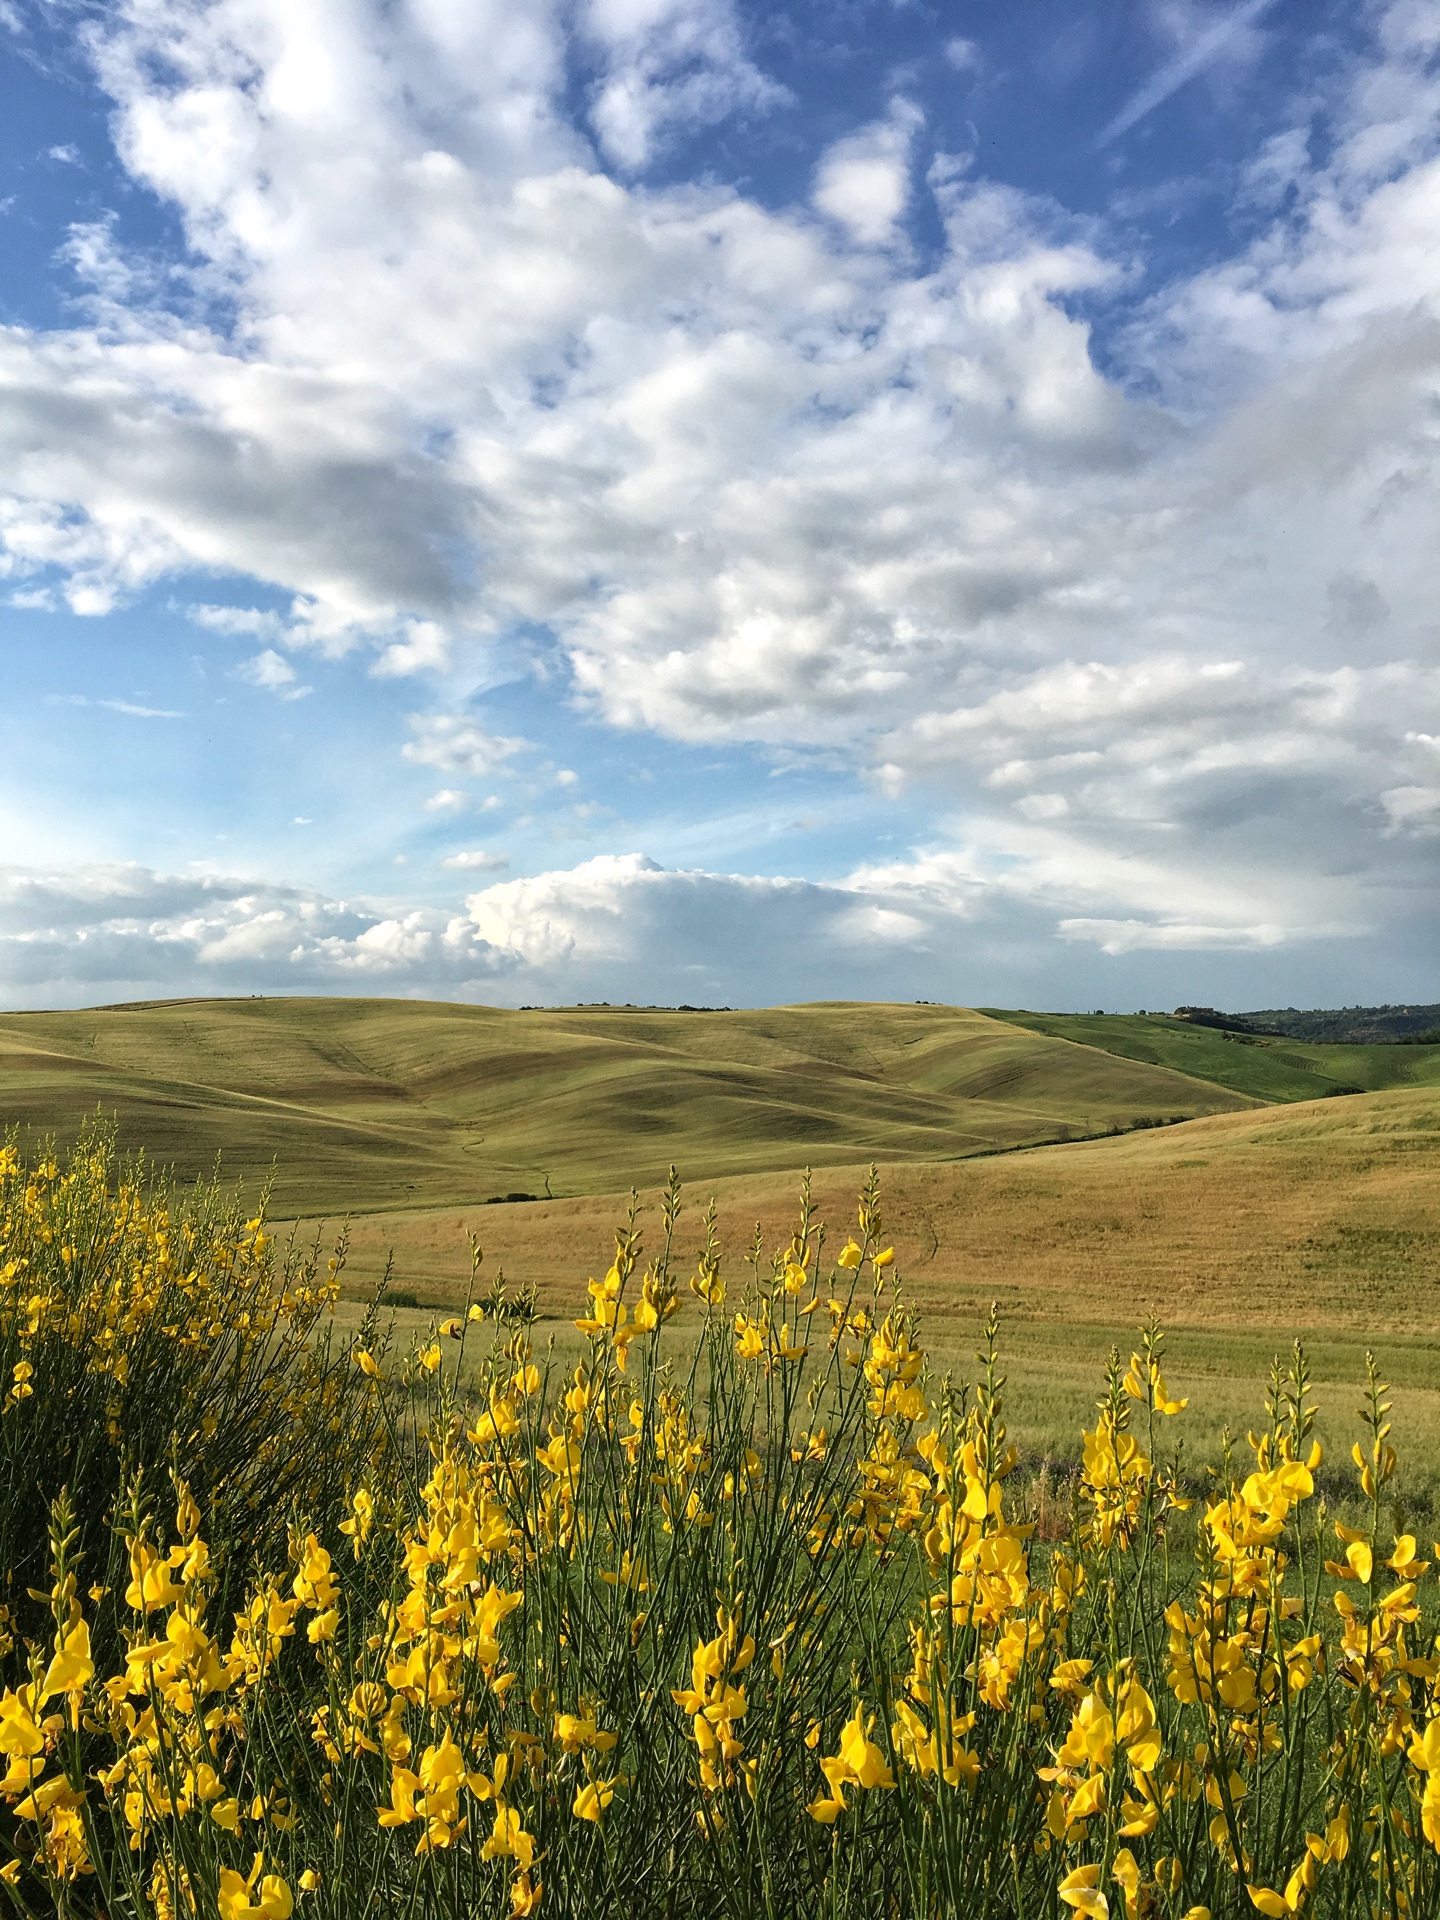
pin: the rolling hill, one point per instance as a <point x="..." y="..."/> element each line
<point x="1266" y="1068"/>
<point x="365" y="1104"/>
<point x="1239" y="1231"/>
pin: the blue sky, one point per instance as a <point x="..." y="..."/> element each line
<point x="684" y="500"/>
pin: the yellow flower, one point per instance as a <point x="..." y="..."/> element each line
<point x="273" y="1901"/>
<point x="362" y="1519"/>
<point x="850" y="1255"/>
<point x="309" y="1880"/>
<point x="509" y="1840"/>
<point x="1126" y="1870"/>
<point x="593" y="1798"/>
<point x="429" y="1357"/>
<point x="1081" y="1890"/>
<point x="1277" y="1906"/>
<point x="71" y="1670"/>
<point x="524" y="1897"/>
<point x="367" y="1362"/>
<point x="1403" y="1560"/>
<point x="859" y="1763"/>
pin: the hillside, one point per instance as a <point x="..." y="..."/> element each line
<point x="1239" y="1231"/>
<point x="382" y="1103"/>
<point x="1364" y="1024"/>
<point x="1263" y="1067"/>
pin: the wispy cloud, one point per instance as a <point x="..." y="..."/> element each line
<point x="476" y="860"/>
<point x="116" y="706"/>
<point x="272" y="673"/>
<point x="1181" y="67"/>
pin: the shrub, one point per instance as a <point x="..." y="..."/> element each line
<point x="743" y="1622"/>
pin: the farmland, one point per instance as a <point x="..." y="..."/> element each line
<point x="364" y="1104"/>
<point x="1263" y="1066"/>
<point x="1239" y="1231"/>
<point x="1002" y="1178"/>
<point x="934" y="1688"/>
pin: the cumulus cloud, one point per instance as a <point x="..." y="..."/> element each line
<point x="454" y="744"/>
<point x="956" y="924"/>
<point x="272" y="672"/>
<point x="110" y="932"/>
<point x="666" y="65"/>
<point x="1161" y="636"/>
<point x="624" y="925"/>
<point x="863" y="181"/>
<point x="255" y="622"/>
<point x="476" y="860"/>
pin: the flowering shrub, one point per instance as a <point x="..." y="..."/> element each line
<point x="736" y="1618"/>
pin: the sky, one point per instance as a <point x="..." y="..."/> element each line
<point x="721" y="503"/>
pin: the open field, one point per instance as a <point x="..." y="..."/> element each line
<point x="1263" y="1066"/>
<point x="384" y="1652"/>
<point x="1240" y="1231"/>
<point x="1239" y="1228"/>
<point x="383" y="1103"/>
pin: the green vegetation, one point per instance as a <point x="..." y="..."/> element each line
<point x="742" y="1609"/>
<point x="367" y="1104"/>
<point x="1263" y="1067"/>
<point x="1368" y="1024"/>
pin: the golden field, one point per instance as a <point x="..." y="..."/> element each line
<point x="1239" y="1231"/>
<point x="363" y="1104"/>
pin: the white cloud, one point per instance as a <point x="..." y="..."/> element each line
<point x="476" y="860"/>
<point x="254" y="621"/>
<point x="863" y="181"/>
<point x="425" y="648"/>
<point x="1169" y="936"/>
<point x="454" y="744"/>
<point x="272" y="672"/>
<point x="110" y="932"/>
<point x="133" y="708"/>
<point x="1162" y="636"/>
<point x="447" y="800"/>
<point x="668" y="65"/>
<point x="953" y="924"/>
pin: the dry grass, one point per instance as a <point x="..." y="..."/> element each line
<point x="363" y="1104"/>
<point x="1241" y="1232"/>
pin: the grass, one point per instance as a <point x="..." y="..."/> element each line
<point x="1264" y="1068"/>
<point x="1240" y="1231"/>
<point x="410" y="1116"/>
<point x="369" y="1104"/>
<point x="745" y="1616"/>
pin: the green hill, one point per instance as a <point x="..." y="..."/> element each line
<point x="1381" y="1024"/>
<point x="1265" y="1067"/>
<point x="369" y="1104"/>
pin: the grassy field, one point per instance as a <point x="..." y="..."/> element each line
<point x="731" y="1620"/>
<point x="1265" y="1068"/>
<point x="1239" y="1230"/>
<point x="365" y="1104"/>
